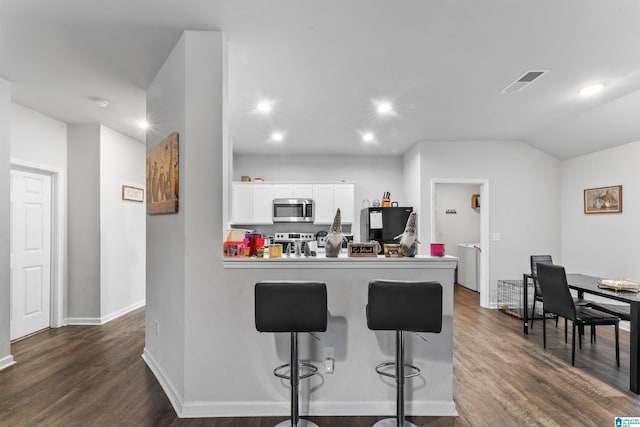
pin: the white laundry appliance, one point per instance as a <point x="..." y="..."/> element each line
<point x="469" y="265"/>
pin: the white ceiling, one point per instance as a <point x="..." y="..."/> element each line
<point x="442" y="63"/>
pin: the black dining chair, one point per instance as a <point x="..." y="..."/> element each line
<point x="537" y="292"/>
<point x="558" y="301"/>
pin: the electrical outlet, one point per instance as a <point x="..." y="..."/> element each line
<point x="328" y="359"/>
<point x="157" y="328"/>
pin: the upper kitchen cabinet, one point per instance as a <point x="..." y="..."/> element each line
<point x="329" y="197"/>
<point x="292" y="191"/>
<point x="252" y="203"/>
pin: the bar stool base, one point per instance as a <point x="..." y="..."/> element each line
<point x="391" y="422"/>
<point x="301" y="423"/>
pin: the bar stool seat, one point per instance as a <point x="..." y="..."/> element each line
<point x="403" y="306"/>
<point x="293" y="307"/>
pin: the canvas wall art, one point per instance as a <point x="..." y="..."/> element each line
<point x="603" y="199"/>
<point x="163" y="177"/>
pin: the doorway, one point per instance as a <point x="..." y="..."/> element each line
<point x="481" y="213"/>
<point x="30" y="247"/>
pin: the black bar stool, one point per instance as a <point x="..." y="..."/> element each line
<point x="403" y="306"/>
<point x="291" y="306"/>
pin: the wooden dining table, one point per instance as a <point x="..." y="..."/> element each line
<point x="589" y="284"/>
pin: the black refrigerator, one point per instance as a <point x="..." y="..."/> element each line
<point x="383" y="224"/>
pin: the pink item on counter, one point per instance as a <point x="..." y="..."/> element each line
<point x="437" y="249"/>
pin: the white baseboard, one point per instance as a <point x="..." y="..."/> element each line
<point x="82" y="321"/>
<point x="93" y="321"/>
<point x="174" y="397"/>
<point x="6" y="361"/>
<point x="195" y="409"/>
<point x="122" y="312"/>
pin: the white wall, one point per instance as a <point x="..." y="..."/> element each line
<point x="604" y="245"/>
<point x="372" y="175"/>
<point x="38" y="139"/>
<point x="412" y="178"/>
<point x="524" y="194"/>
<point x="83" y="160"/>
<point x="5" y="125"/>
<point x="122" y="224"/>
<point x="464" y="225"/>
<point x="40" y="142"/>
<point x="165" y="237"/>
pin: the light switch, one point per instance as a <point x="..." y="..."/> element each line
<point x="495" y="237"/>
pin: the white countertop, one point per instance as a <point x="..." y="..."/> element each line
<point x="343" y="261"/>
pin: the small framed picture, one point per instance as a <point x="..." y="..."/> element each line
<point x="603" y="199"/>
<point x="392" y="250"/>
<point x="134" y="194"/>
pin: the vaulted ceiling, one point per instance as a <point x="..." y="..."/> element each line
<point x="325" y="64"/>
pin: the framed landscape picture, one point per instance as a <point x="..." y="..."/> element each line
<point x="162" y="177"/>
<point x="603" y="199"/>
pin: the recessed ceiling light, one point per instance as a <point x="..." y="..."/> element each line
<point x="143" y="124"/>
<point x="590" y="90"/>
<point x="264" y="106"/>
<point x="368" y="137"/>
<point x="277" y="136"/>
<point x="384" y="107"/>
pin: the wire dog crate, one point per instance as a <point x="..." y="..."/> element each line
<point x="510" y="298"/>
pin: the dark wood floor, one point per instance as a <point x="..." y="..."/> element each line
<point x="94" y="376"/>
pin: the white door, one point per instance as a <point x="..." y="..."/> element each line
<point x="30" y="252"/>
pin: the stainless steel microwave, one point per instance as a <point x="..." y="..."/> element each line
<point x="293" y="210"/>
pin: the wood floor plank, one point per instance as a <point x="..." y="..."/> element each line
<point x="94" y="376"/>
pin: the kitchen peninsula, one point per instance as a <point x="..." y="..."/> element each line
<point x="354" y="388"/>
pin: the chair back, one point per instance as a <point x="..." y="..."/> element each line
<point x="404" y="306"/>
<point x="535" y="260"/>
<point x="291" y="306"/>
<point x="555" y="291"/>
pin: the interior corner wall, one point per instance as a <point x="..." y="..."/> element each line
<point x="524" y="193"/>
<point x="602" y="245"/>
<point x="122" y="224"/>
<point x="5" y="306"/>
<point x="83" y="162"/>
<point x="165" y="259"/>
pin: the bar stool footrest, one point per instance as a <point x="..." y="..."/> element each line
<point x="312" y="370"/>
<point x="380" y="370"/>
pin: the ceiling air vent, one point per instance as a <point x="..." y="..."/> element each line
<point x="525" y="80"/>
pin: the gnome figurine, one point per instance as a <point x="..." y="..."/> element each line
<point x="408" y="241"/>
<point x="334" y="239"/>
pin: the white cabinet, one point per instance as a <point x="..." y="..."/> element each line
<point x="344" y="198"/>
<point x="262" y="203"/>
<point x="252" y="203"/>
<point x="242" y="197"/>
<point x="323" y="203"/>
<point x="292" y="191"/>
<point x="302" y="191"/>
<point x="328" y="198"/>
<point x="283" y="191"/>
